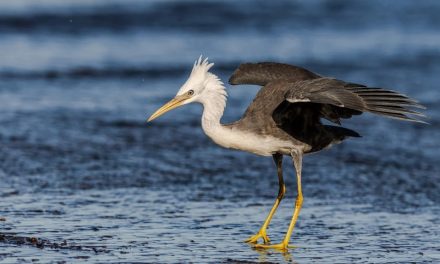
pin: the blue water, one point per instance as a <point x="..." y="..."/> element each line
<point x="80" y="168"/>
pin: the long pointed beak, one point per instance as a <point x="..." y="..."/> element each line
<point x="174" y="103"/>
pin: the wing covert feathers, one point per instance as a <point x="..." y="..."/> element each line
<point x="264" y="72"/>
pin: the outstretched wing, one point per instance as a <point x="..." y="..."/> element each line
<point x="295" y="100"/>
<point x="306" y="102"/>
<point x="337" y="99"/>
<point x="336" y="93"/>
<point x="264" y="72"/>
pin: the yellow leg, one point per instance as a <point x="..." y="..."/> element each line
<point x="278" y="158"/>
<point x="284" y="245"/>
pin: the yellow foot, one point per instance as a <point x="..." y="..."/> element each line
<point x="281" y="246"/>
<point x="260" y="234"/>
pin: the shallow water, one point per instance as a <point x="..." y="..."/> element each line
<point x="84" y="178"/>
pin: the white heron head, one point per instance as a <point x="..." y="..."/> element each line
<point x="193" y="90"/>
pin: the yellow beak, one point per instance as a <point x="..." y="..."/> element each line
<point x="174" y="103"/>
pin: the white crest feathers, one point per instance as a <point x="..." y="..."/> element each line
<point x="201" y="65"/>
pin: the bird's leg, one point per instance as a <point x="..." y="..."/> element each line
<point x="278" y="158"/>
<point x="297" y="161"/>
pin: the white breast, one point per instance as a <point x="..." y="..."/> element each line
<point x="250" y="142"/>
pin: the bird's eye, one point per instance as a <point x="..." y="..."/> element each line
<point x="190" y="92"/>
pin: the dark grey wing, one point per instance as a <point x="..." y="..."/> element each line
<point x="342" y="95"/>
<point x="306" y="102"/>
<point x="297" y="107"/>
<point x="264" y="72"/>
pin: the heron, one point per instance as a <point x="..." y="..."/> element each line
<point x="286" y="117"/>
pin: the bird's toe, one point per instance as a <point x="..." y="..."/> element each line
<point x="254" y="239"/>
<point x="281" y="246"/>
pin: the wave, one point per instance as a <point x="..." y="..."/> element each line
<point x="426" y="59"/>
<point x="117" y="72"/>
<point x="215" y="16"/>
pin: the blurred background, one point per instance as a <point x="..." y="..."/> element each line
<point x="83" y="173"/>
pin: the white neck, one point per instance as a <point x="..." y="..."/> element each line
<point x="214" y="103"/>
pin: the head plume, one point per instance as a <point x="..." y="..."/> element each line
<point x="201" y="67"/>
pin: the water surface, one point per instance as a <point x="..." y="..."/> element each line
<point x="83" y="178"/>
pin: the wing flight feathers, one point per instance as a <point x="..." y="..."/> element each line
<point x="341" y="94"/>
